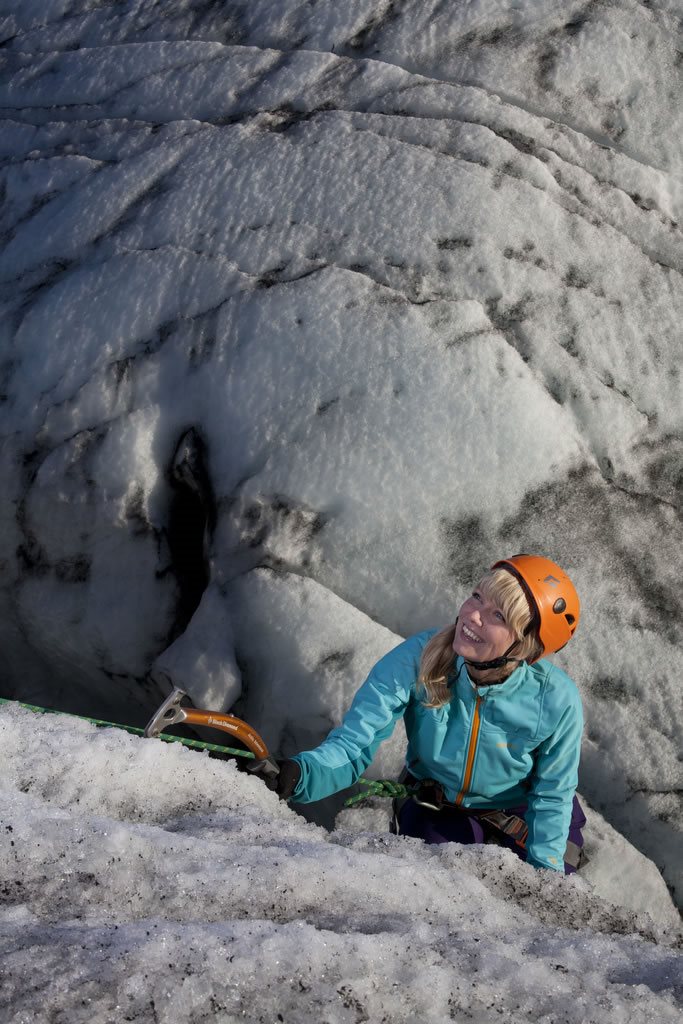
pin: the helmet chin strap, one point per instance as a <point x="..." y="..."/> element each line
<point x="495" y="662"/>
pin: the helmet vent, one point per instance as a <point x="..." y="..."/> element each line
<point x="570" y="619"/>
<point x="559" y="606"/>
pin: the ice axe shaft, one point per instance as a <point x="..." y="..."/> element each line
<point x="171" y="712"/>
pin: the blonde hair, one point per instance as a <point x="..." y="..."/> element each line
<point x="438" y="657"/>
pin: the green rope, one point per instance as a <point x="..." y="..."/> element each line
<point x="382" y="788"/>
<point x="166" y="737"/>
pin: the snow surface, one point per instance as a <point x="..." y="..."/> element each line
<point x="145" y="882"/>
<point x="309" y="312"/>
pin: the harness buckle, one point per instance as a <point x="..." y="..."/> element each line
<point x="430" y="794"/>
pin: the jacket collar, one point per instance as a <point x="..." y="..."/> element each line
<point x="506" y="687"/>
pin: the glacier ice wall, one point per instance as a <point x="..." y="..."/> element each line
<point x="310" y="312"/>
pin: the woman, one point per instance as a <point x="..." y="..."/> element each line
<point x="494" y="733"/>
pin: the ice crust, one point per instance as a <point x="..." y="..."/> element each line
<point x="147" y="882"/>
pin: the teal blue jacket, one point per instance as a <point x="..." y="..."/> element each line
<point x="498" y="746"/>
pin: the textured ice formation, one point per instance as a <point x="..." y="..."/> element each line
<point x="146" y="882"/>
<point x="341" y="300"/>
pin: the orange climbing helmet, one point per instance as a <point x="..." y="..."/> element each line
<point x="552" y="597"/>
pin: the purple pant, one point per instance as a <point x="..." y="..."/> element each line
<point x="456" y="826"/>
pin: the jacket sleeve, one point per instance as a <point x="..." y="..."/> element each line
<point x="553" y="785"/>
<point x="349" y="749"/>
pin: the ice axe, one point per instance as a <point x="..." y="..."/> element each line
<point x="171" y="712"/>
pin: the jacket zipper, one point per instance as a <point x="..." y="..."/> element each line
<point x="471" y="751"/>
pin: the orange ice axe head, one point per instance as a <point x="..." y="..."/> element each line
<point x="171" y="712"/>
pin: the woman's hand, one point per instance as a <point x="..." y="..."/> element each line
<point x="280" y="777"/>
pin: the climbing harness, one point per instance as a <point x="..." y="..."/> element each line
<point x="428" y="793"/>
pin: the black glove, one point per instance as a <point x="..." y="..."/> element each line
<point x="279" y="776"/>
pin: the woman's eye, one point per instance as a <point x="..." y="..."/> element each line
<point x="476" y="595"/>
<point x="499" y="615"/>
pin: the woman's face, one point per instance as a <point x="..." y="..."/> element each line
<point x="482" y="633"/>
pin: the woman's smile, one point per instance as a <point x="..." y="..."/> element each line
<point x="471" y="635"/>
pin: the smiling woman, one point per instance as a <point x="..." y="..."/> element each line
<point x="494" y="730"/>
